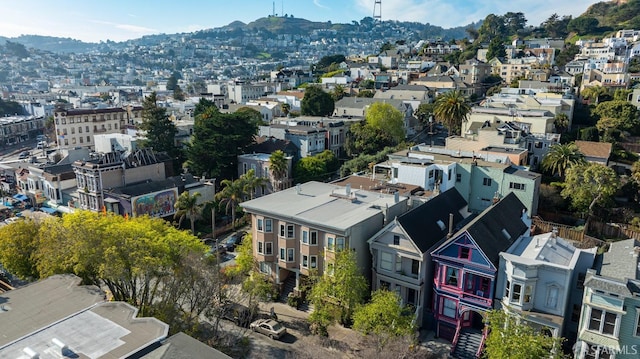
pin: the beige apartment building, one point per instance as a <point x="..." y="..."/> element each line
<point x="76" y="127"/>
<point x="302" y="228"/>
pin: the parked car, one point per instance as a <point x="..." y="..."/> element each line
<point x="269" y="327"/>
<point x="214" y="249"/>
<point x="237" y="313"/>
<point x="234" y="240"/>
<point x="23" y="155"/>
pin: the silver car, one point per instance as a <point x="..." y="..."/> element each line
<point x="269" y="327"/>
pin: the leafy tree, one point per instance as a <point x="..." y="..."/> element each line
<point x="316" y="102"/>
<point x="188" y="207"/>
<point x="10" y="108"/>
<point x="217" y="141"/>
<point x="178" y="94"/>
<point x="514" y="22"/>
<point x="510" y="338"/>
<point x="496" y="48"/>
<point x="365" y="93"/>
<point x="278" y="165"/>
<point x="583" y="25"/>
<point x="384" y="316"/>
<point x="590" y="134"/>
<point x="385" y="117"/>
<point x="567" y="54"/>
<point x="160" y="131"/>
<point x="202" y="106"/>
<point x="339" y="291"/>
<point x="589" y="184"/>
<point x="362" y="138"/>
<point x="424" y="112"/>
<point x="634" y="65"/>
<point x="250" y="113"/>
<point x="367" y="84"/>
<point x="555" y="26"/>
<point x="452" y="109"/>
<point x="620" y="115"/>
<point x="621" y="94"/>
<point x="172" y="83"/>
<point x="285" y="108"/>
<point x="316" y="168"/>
<point x="561" y="157"/>
<point x="492" y="26"/>
<point x="594" y="93"/>
<point x="327" y="61"/>
<point x="362" y="162"/>
<point x="18" y="245"/>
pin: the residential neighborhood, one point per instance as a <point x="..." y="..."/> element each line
<point x="290" y="188"/>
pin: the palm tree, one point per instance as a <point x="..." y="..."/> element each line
<point x="561" y="157"/>
<point x="561" y="122"/>
<point x="188" y="207"/>
<point x="452" y="109"/>
<point x="251" y="182"/>
<point x="594" y="93"/>
<point x="279" y="168"/>
<point x="231" y="195"/>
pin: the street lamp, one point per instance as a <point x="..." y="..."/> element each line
<point x="431" y="129"/>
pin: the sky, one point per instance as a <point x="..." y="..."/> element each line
<point x="120" y="20"/>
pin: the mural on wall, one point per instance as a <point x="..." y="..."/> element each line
<point x="156" y="204"/>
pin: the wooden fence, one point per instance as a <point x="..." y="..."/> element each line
<point x="612" y="230"/>
<point x="577" y="236"/>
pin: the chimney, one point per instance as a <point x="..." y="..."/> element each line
<point x="396" y="197"/>
<point x="62" y="346"/>
<point x="31" y="354"/>
<point x="298" y="188"/>
<point x="348" y="189"/>
<point x="450" y="226"/>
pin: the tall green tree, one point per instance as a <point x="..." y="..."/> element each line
<point x="279" y="167"/>
<point x="188" y="207"/>
<point x="561" y="157"/>
<point x="385" y="117"/>
<point x="452" y="109"/>
<point x="316" y="102"/>
<point x="583" y="25"/>
<point x="339" y="291"/>
<point x="18" y="245"/>
<point x="561" y="122"/>
<point x="160" y="131"/>
<point x="218" y="138"/>
<point x="510" y="338"/>
<point x="385" y="317"/>
<point x="316" y="168"/>
<point x="588" y="185"/>
<point x="253" y="182"/>
<point x="496" y="48"/>
<point x="361" y="138"/>
<point x="337" y="93"/>
<point x="619" y="115"/>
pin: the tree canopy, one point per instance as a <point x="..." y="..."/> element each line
<point x="510" y="338"/>
<point x="561" y="157"/>
<point x="386" y="118"/>
<point x="160" y="131"/>
<point x="316" y="168"/>
<point x="218" y="138"/>
<point x="316" y="102"/>
<point x="589" y="184"/>
<point x="620" y="115"/>
<point x="384" y="315"/>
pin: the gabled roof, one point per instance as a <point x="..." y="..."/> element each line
<point x="421" y="224"/>
<point x="594" y="149"/>
<point x="489" y="228"/>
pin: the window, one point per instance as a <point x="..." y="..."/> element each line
<point x="415" y="267"/>
<point x="305" y="237"/>
<point x="290" y="256"/>
<point x="486" y="181"/>
<point x="314" y="261"/>
<point x="305" y="261"/>
<point x="527" y="294"/>
<point x="339" y="243"/>
<point x="267" y="226"/>
<point x="507" y="288"/>
<point x="290" y="229"/>
<point x="261" y="247"/>
<point x="449" y="307"/>
<point x="598" y="352"/>
<point x="452" y="276"/>
<point x="330" y="243"/>
<point x="314" y="238"/>
<point x="552" y="296"/>
<point x="515" y="185"/>
<point x="396" y="240"/>
<point x="458" y="177"/>
<point x="265" y="268"/>
<point x="580" y="284"/>
<point x="260" y="225"/>
<point x="517" y="292"/>
<point x="465" y="252"/>
<point x="282" y="230"/>
<point x="386" y="261"/>
<point x="398" y="264"/>
<point x="602" y="321"/>
<point x="269" y="248"/>
<point x="282" y="253"/>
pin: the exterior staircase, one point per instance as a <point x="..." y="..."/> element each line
<point x="288" y="286"/>
<point x="468" y="344"/>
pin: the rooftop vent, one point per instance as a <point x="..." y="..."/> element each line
<point x="31" y="354"/>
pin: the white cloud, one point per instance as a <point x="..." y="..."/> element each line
<point x="318" y="4"/>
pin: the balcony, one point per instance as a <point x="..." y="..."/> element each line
<point x="482" y="300"/>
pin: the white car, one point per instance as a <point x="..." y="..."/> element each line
<point x="269" y="327"/>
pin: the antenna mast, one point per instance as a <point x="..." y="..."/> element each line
<point x="377" y="10"/>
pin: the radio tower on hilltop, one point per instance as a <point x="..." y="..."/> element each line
<point x="377" y="10"/>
